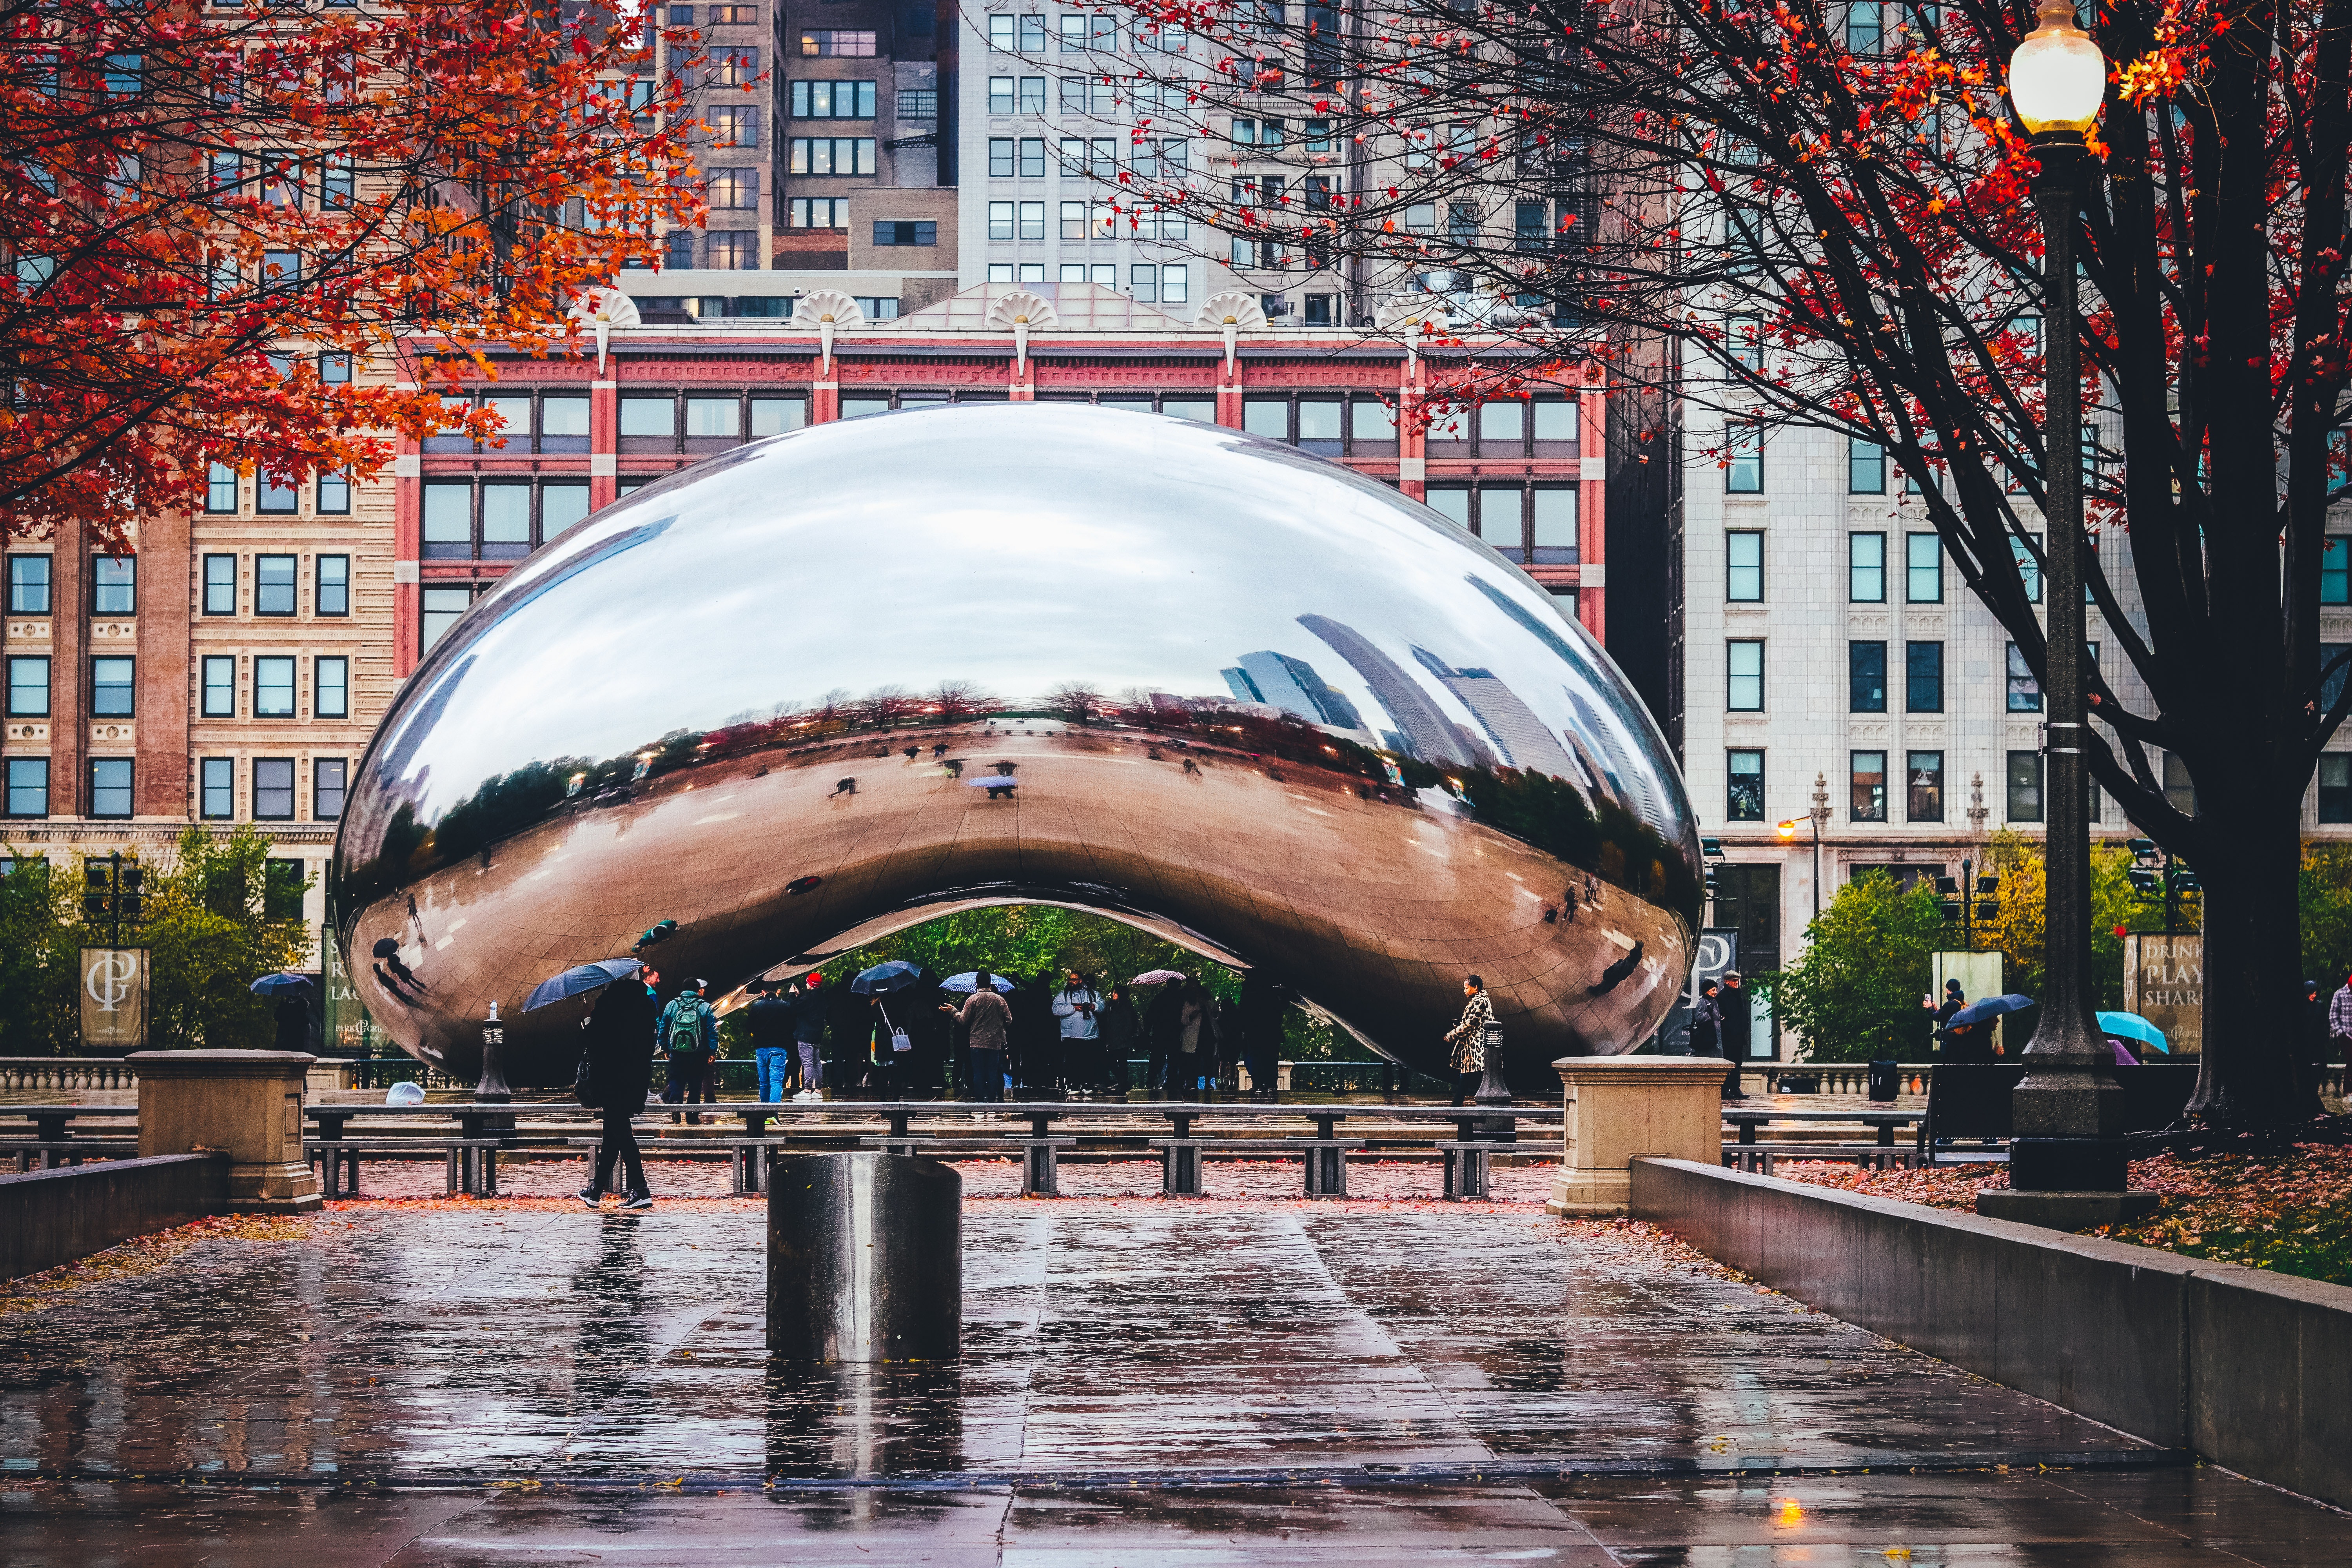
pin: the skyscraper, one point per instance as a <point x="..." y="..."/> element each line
<point x="1292" y="685"/>
<point x="1519" y="737"/>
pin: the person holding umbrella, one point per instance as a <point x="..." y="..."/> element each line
<point x="292" y="1008"/>
<point x="619" y="1070"/>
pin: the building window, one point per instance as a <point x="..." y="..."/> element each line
<point x="1744" y="794"/>
<point x="774" y="416"/>
<point x="220" y="686"/>
<point x="1865" y="671"/>
<point x="449" y="518"/>
<point x="821" y="212"/>
<point x="273" y="789"/>
<point x="329" y="777"/>
<point x="273" y="584"/>
<point x="334" y="494"/>
<point x="902" y="231"/>
<point x="1923" y="569"/>
<point x="1865" y="468"/>
<point x="1744" y="669"/>
<point x="1033" y="220"/>
<point x="561" y="506"/>
<point x="1000" y="220"/>
<point x="1554" y="522"/>
<point x="334" y="585"/>
<point x="275" y="498"/>
<point x="506" y="520"/>
<point x="2029" y="568"/>
<point x="2024" y="691"/>
<point x="29" y="585"/>
<point x="114" y="585"/>
<point x="1924" y="772"/>
<point x="1923" y="677"/>
<point x="2335" y="787"/>
<point x="1743" y="556"/>
<point x="273" y="688"/>
<point x="734" y="126"/>
<point x="113" y="688"/>
<point x="28" y="687"/>
<point x="1033" y="34"/>
<point x="220" y="584"/>
<point x="733" y="250"/>
<point x="1000" y="93"/>
<point x="816" y="155"/>
<point x="2180" y="790"/>
<point x="220" y="489"/>
<point x="216" y="788"/>
<point x="1744" y="337"/>
<point x="331" y="694"/>
<point x="1175" y="284"/>
<point x="440" y="609"/>
<point x="833" y="100"/>
<point x="1862" y="27"/>
<point x="1743" y="455"/>
<point x="28" y="786"/>
<point x="1000" y="158"/>
<point x="2025" y="786"/>
<point x="1865" y="568"/>
<point x="110" y="786"/>
<point x="2335" y="571"/>
<point x="649" y="416"/>
<point x="919" y="103"/>
<point x="1866" y="772"/>
<point x="282" y="887"/>
<point x="563" y="424"/>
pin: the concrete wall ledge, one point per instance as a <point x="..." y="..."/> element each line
<point x="48" y="1218"/>
<point x="2252" y="1370"/>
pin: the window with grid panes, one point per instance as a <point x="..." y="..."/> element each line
<point x="1743" y="558"/>
<point x="219" y="687"/>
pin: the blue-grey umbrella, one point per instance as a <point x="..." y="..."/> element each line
<point x="273" y="985"/>
<point x="580" y="978"/>
<point x="1990" y="1007"/>
<point x="885" y="978"/>
<point x="969" y="980"/>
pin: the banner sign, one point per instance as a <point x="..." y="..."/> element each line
<point x="2164" y="981"/>
<point x="114" y="997"/>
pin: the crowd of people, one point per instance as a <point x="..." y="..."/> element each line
<point x="1048" y="1036"/>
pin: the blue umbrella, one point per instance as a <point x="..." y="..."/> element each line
<point x="273" y="985"/>
<point x="578" y="978"/>
<point x="885" y="978"/>
<point x="2132" y="1026"/>
<point x="969" y="980"/>
<point x="1990" y="1007"/>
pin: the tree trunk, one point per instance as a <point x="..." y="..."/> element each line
<point x="2248" y="1079"/>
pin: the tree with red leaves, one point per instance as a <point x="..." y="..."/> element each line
<point x="1808" y="214"/>
<point x="219" y="219"/>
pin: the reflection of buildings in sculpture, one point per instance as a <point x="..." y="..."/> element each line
<point x="1169" y="702"/>
<point x="1423" y="730"/>
<point x="1637" y="790"/>
<point x="1519" y="737"/>
<point x="1293" y="684"/>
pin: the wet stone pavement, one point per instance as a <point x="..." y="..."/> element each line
<point x="1202" y="1383"/>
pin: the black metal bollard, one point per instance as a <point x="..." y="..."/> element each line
<point x="865" y="1258"/>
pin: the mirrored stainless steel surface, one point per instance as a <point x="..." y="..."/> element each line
<point x="835" y="683"/>
<point x="865" y="1258"/>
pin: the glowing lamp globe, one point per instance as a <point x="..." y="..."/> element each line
<point x="2057" y="78"/>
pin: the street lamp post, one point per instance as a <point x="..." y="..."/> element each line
<point x="1819" y="815"/>
<point x="2068" y="1167"/>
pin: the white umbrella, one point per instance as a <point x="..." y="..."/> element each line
<point x="969" y="980"/>
<point x="1157" y="977"/>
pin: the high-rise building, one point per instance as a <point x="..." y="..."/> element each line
<point x="1292" y="685"/>
<point x="1519" y="737"/>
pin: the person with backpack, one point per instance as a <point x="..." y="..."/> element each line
<point x="688" y="1035"/>
<point x="615" y="1070"/>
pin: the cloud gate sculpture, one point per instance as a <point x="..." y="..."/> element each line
<point x="838" y="683"/>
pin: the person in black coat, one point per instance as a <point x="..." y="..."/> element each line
<point x="619" y="1050"/>
<point x="1163" y="1027"/>
<point x="1265" y="1003"/>
<point x="293" y="1022"/>
<point x="1120" y="1029"/>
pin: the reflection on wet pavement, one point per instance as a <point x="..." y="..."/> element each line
<point x="1226" y="1383"/>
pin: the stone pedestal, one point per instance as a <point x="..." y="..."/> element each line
<point x="2068" y="1211"/>
<point x="247" y="1103"/>
<point x="1621" y="1108"/>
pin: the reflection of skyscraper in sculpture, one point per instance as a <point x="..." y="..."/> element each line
<point x="1426" y="732"/>
<point x="1519" y="737"/>
<point x="1637" y="790"/>
<point x="1292" y="685"/>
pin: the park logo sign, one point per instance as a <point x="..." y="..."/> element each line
<point x="115" y="996"/>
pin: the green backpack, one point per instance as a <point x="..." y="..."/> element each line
<point x="683" y="1035"/>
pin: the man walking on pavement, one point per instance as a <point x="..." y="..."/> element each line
<point x="619" y="1072"/>
<point x="1735" y="1029"/>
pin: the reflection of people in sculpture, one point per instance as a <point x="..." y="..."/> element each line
<point x="1468" y="1038"/>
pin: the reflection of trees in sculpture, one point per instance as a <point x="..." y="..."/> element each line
<point x="1599" y="835"/>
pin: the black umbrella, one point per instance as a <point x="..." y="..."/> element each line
<point x="387" y="947"/>
<point x="580" y="978"/>
<point x="1990" y="1007"/>
<point x="885" y="978"/>
<point x="271" y="984"/>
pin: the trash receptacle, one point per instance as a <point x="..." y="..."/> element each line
<point x="1884" y="1079"/>
<point x="865" y="1258"/>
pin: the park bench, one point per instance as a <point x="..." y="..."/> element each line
<point x="51" y="1136"/>
<point x="1885" y="1122"/>
<point x="1969" y="1102"/>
